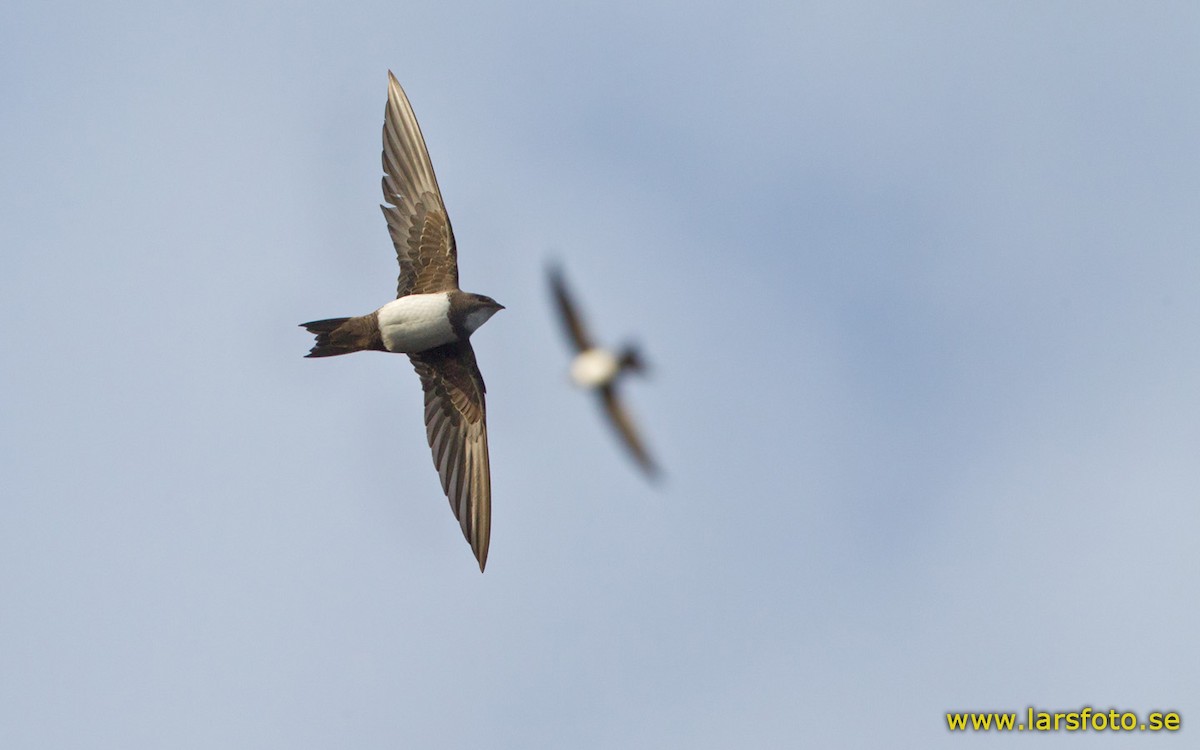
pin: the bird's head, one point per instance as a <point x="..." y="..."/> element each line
<point x="479" y="309"/>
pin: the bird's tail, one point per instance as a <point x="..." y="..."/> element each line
<point x="631" y="359"/>
<point x="328" y="342"/>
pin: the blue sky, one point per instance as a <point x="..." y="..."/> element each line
<point x="918" y="286"/>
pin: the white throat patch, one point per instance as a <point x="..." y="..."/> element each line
<point x="477" y="318"/>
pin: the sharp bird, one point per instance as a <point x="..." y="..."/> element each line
<point x="431" y="320"/>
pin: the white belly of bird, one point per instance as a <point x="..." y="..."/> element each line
<point x="593" y="368"/>
<point x="416" y="323"/>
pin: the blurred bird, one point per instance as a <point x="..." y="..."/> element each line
<point x="598" y="369"/>
<point x="431" y="320"/>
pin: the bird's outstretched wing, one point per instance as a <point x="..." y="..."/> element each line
<point x="416" y="216"/>
<point x="618" y="416"/>
<point x="568" y="311"/>
<point x="456" y="426"/>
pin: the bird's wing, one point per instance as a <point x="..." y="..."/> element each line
<point x="416" y="216"/>
<point x="456" y="426"/>
<point x="568" y="312"/>
<point x="618" y="416"/>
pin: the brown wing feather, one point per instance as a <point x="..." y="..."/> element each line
<point x="456" y="426"/>
<point x="416" y="217"/>
<point x="568" y="312"/>
<point x="619" y="418"/>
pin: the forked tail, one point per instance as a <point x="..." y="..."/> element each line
<point x="331" y="338"/>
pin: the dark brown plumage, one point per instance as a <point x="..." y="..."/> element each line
<point x="344" y="335"/>
<point x="456" y="427"/>
<point x="455" y="410"/>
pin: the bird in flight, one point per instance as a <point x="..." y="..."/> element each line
<point x="599" y="369"/>
<point x="431" y="320"/>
